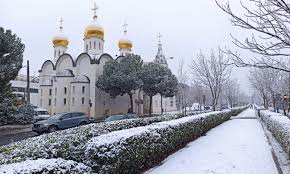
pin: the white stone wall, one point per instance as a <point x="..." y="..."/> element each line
<point x="94" y="46"/>
<point x="80" y="97"/>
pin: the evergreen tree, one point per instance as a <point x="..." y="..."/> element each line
<point x="121" y="78"/>
<point x="168" y="85"/>
<point x="151" y="75"/>
<point x="11" y="58"/>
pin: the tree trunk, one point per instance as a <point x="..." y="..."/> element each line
<point x="161" y="105"/>
<point x="130" y="110"/>
<point x="150" y="105"/>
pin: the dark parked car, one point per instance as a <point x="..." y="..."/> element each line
<point x="61" y="121"/>
<point x="120" y="117"/>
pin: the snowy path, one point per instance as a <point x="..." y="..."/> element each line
<point x="238" y="146"/>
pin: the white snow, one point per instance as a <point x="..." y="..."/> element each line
<point x="34" y="166"/>
<point x="238" y="146"/>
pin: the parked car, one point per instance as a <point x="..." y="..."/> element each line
<point x="61" y="121"/>
<point x="41" y="114"/>
<point x="120" y="117"/>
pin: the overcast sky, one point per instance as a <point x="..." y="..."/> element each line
<point x="187" y="26"/>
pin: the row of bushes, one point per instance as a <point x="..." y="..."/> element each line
<point x="72" y="144"/>
<point x="136" y="149"/>
<point x="279" y="125"/>
<point x="48" y="166"/>
<point x="237" y="110"/>
<point x="69" y="144"/>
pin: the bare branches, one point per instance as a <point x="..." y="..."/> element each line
<point x="211" y="71"/>
<point x="269" y="20"/>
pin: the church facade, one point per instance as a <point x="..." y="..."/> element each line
<point x="67" y="84"/>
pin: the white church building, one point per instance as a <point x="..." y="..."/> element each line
<point x="67" y="84"/>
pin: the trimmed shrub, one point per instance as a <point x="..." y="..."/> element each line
<point x="68" y="144"/>
<point x="279" y="125"/>
<point x="10" y="114"/>
<point x="133" y="150"/>
<point x="236" y="111"/>
<point x="40" y="166"/>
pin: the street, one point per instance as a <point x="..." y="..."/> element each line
<point x="10" y="138"/>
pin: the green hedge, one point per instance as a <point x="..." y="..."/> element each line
<point x="236" y="111"/>
<point x="68" y="144"/>
<point x="279" y="125"/>
<point x="136" y="149"/>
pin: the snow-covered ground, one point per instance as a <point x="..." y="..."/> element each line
<point x="238" y="146"/>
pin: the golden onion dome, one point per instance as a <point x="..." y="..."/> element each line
<point x="94" y="30"/>
<point x="60" y="39"/>
<point x="125" y="44"/>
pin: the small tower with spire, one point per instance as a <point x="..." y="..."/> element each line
<point x="60" y="42"/>
<point x="125" y="45"/>
<point x="160" y="58"/>
<point x="94" y="36"/>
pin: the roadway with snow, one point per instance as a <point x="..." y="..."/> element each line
<point x="237" y="146"/>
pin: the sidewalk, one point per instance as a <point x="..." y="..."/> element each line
<point x="238" y="146"/>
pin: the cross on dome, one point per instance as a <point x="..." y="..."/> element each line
<point x="95" y="9"/>
<point x="159" y="37"/>
<point x="61" y="23"/>
<point x="125" y="27"/>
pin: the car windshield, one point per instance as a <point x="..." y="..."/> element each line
<point x="115" y="118"/>
<point x="57" y="116"/>
<point x="42" y="113"/>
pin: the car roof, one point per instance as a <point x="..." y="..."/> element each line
<point x="40" y="109"/>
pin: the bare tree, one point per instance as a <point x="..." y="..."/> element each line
<point x="212" y="71"/>
<point x="182" y="88"/>
<point x="269" y="21"/>
<point x="231" y="92"/>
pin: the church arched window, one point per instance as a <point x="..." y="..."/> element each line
<point x="99" y="45"/>
<point x="94" y="44"/>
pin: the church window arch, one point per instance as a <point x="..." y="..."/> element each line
<point x="64" y="90"/>
<point x="99" y="45"/>
<point x="49" y="102"/>
<point x="94" y="44"/>
<point x="64" y="101"/>
<point x="83" y="100"/>
<point x="73" y="101"/>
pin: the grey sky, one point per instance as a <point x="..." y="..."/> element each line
<point x="186" y="25"/>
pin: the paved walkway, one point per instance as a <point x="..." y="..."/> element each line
<point x="238" y="146"/>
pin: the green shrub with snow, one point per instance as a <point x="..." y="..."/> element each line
<point x="72" y="144"/>
<point x="279" y="125"/>
<point x="237" y="110"/>
<point x="68" y="144"/>
<point x="133" y="150"/>
<point x="48" y="166"/>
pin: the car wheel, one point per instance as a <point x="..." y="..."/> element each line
<point x="83" y="123"/>
<point x="52" y="129"/>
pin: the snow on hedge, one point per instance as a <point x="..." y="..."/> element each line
<point x="59" y="166"/>
<point x="235" y="111"/>
<point x="133" y="150"/>
<point x="68" y="144"/>
<point x="279" y="125"/>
